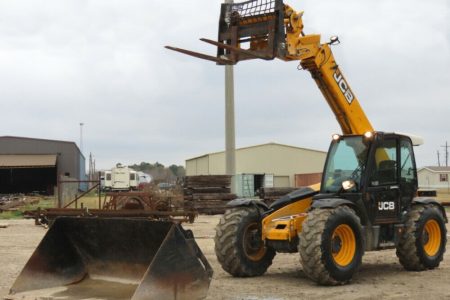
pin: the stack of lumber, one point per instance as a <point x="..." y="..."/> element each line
<point x="207" y="193"/>
<point x="207" y="181"/>
<point x="269" y="195"/>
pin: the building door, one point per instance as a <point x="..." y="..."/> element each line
<point x="302" y="180"/>
<point x="281" y="181"/>
<point x="268" y="180"/>
<point x="245" y="185"/>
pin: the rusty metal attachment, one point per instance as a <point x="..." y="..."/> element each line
<point x="102" y="258"/>
<point x="247" y="30"/>
<point x="47" y="216"/>
<point x="121" y="204"/>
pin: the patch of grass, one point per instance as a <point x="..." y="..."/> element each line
<point x="44" y="202"/>
<point x="89" y="201"/>
<point x="8" y="215"/>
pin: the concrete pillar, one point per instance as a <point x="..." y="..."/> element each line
<point x="230" y="141"/>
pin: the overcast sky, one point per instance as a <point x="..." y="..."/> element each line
<point x="103" y="63"/>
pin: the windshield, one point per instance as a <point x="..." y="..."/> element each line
<point x="346" y="160"/>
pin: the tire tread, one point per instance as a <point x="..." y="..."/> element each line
<point x="227" y="248"/>
<point x="311" y="243"/>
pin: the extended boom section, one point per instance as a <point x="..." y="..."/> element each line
<point x="268" y="29"/>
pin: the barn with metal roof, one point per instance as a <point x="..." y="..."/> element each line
<point x="265" y="165"/>
<point x="33" y="165"/>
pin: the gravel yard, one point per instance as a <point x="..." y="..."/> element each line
<point x="381" y="276"/>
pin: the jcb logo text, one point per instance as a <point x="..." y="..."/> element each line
<point x="343" y="86"/>
<point x="386" y="205"/>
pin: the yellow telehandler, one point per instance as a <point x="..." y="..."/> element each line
<point x="368" y="197"/>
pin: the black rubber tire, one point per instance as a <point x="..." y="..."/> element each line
<point x="229" y="243"/>
<point x="410" y="249"/>
<point x="315" y="245"/>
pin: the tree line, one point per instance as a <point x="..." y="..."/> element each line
<point x="159" y="172"/>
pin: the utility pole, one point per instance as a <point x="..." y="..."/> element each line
<point x="90" y="169"/>
<point x="446" y="153"/>
<point x="230" y="140"/>
<point x="439" y="160"/>
<point x="81" y="137"/>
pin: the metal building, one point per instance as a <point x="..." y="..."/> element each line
<point x="33" y="165"/>
<point x="266" y="165"/>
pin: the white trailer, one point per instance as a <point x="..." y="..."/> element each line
<point x="121" y="178"/>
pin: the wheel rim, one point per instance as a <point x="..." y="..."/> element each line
<point x="431" y="237"/>
<point x="253" y="246"/>
<point x="343" y="245"/>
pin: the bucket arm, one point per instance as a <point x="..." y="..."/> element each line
<point x="272" y="29"/>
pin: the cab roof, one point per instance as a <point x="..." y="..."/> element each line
<point x="415" y="139"/>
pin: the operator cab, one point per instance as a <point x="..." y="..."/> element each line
<point x="375" y="171"/>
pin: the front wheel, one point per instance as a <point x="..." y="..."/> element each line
<point x="422" y="245"/>
<point x="238" y="245"/>
<point x="331" y="245"/>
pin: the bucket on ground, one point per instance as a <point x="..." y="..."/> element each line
<point x="102" y="258"/>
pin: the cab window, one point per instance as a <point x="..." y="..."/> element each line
<point x="406" y="162"/>
<point x="385" y="164"/>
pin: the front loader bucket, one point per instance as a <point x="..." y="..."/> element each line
<point x="101" y="258"/>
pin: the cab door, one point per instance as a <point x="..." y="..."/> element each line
<point x="383" y="188"/>
<point x="408" y="173"/>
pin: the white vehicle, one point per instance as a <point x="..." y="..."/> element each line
<point x="144" y="177"/>
<point x="121" y="178"/>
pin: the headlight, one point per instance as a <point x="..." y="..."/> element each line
<point x="368" y="135"/>
<point x="348" y="184"/>
<point x="336" y="137"/>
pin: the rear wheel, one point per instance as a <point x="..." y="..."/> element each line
<point x="331" y="245"/>
<point x="422" y="245"/>
<point x="238" y="245"/>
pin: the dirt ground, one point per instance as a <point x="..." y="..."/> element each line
<point x="381" y="276"/>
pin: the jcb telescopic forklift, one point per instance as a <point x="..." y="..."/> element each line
<point x="368" y="198"/>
